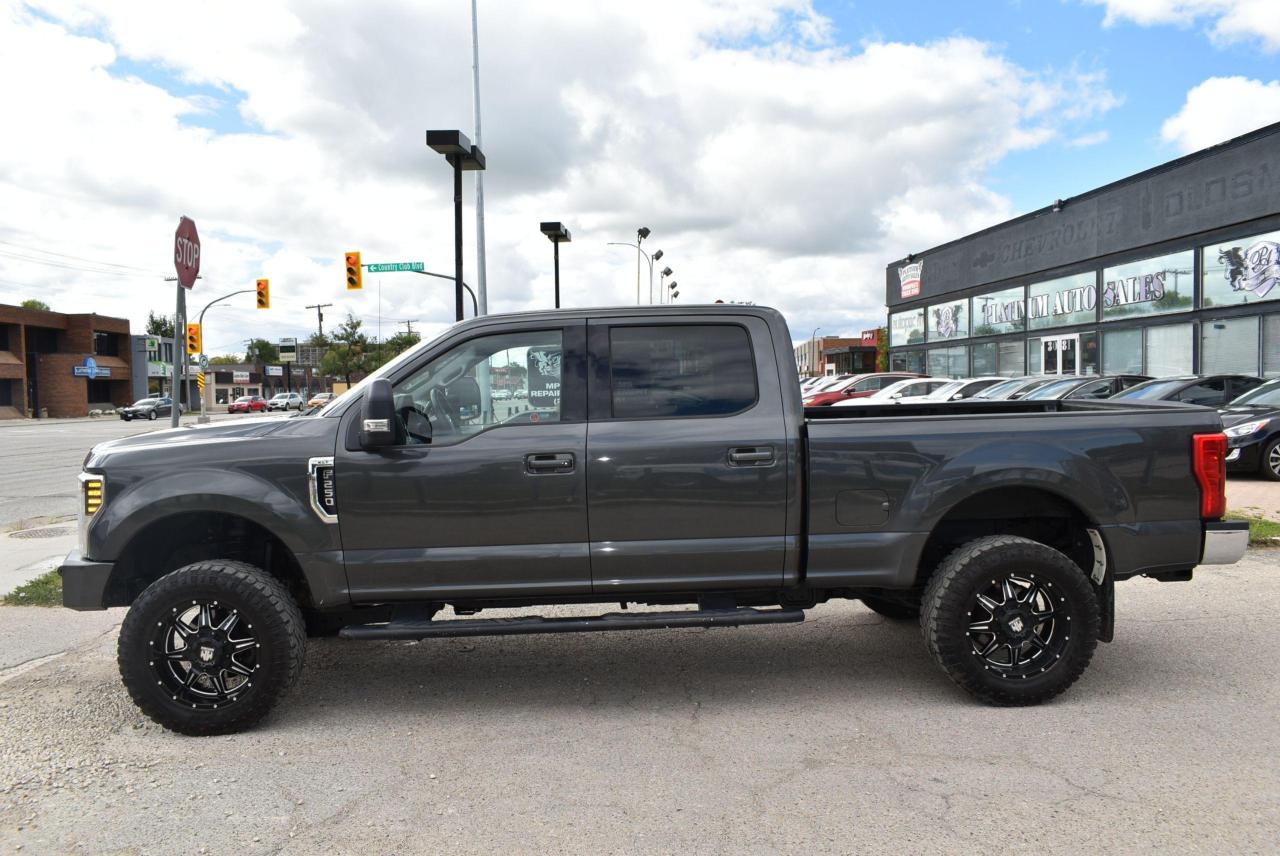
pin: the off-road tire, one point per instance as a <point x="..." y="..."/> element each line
<point x="264" y="604"/>
<point x="1265" y="467"/>
<point x="953" y="590"/>
<point x="894" y="610"/>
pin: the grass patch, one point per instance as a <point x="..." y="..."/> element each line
<point x="44" y="590"/>
<point x="1262" y="532"/>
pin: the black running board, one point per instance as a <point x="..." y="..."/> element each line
<point x="409" y="629"/>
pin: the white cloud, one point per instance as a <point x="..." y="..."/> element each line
<point x="771" y="164"/>
<point x="1222" y="108"/>
<point x="1232" y="21"/>
<point x="1086" y="140"/>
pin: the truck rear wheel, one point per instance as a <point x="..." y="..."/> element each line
<point x="1011" y="620"/>
<point x="211" y="647"/>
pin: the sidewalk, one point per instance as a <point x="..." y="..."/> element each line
<point x="26" y="557"/>
<point x="1254" y="495"/>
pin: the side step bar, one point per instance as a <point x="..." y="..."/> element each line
<point x="425" y="629"/>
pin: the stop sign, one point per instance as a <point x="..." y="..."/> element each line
<point x="186" y="252"/>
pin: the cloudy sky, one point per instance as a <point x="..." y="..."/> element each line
<point x="781" y="151"/>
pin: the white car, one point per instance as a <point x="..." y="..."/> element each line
<point x="912" y="387"/>
<point x="958" y="390"/>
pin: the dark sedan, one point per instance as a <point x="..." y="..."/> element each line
<point x="1252" y="424"/>
<point x="1086" y="386"/>
<point x="1208" y="390"/>
<point x="149" y="408"/>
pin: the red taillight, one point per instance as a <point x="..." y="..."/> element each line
<point x="1209" y="460"/>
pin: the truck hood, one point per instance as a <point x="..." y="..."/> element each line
<point x="173" y="440"/>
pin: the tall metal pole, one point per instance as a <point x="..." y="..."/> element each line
<point x="481" y="281"/>
<point x="637" y="272"/>
<point x="179" y="362"/>
<point x="457" y="236"/>
<point x="556" y="244"/>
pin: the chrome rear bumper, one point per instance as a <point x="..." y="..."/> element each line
<point x="1224" y="542"/>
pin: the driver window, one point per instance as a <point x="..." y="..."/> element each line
<point x="507" y="379"/>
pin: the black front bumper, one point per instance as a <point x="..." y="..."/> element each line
<point x="84" y="582"/>
<point x="1248" y="460"/>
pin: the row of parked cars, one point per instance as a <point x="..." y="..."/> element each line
<point x="1249" y="406"/>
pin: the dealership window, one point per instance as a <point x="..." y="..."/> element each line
<point x="906" y="328"/>
<point x="985" y="358"/>
<point x="998" y="312"/>
<point x="907" y="361"/>
<point x="1149" y="286"/>
<point x="1011" y="361"/>
<point x="1271" y="345"/>
<point x="1168" y="350"/>
<point x="1062" y="302"/>
<point x="1122" y="352"/>
<point x="1245" y="270"/>
<point x="948" y="320"/>
<point x="948" y="362"/>
<point x="1063" y="353"/>
<point x="1229" y="346"/>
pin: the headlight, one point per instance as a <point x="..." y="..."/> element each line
<point x="1246" y="428"/>
<point x="93" y="491"/>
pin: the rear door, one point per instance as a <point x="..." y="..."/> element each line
<point x="686" y="454"/>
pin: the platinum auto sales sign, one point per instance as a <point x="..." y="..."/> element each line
<point x="909" y="277"/>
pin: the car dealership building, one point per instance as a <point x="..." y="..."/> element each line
<point x="1175" y="270"/>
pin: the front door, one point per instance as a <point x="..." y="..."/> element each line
<point x="1061" y="355"/>
<point x="486" y="490"/>
<point x="688" y="456"/>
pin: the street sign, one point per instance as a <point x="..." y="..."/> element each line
<point x="396" y="267"/>
<point x="288" y="350"/>
<point x="204" y="362"/>
<point x="186" y="252"/>
<point x="275" y="371"/>
<point x="90" y="369"/>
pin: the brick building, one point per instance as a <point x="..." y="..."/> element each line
<point x="58" y="364"/>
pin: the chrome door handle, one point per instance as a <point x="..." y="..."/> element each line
<point x="751" y="455"/>
<point x="546" y="464"/>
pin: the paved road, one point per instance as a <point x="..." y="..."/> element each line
<point x="40" y="459"/>
<point x="833" y="736"/>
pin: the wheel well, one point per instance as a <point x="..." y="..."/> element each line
<point x="180" y="539"/>
<point x="1032" y="513"/>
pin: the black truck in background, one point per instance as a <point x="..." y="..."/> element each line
<point x="655" y="456"/>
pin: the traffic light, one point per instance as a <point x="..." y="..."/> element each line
<point x="355" y="274"/>
<point x="194" y="345"/>
<point x="264" y="294"/>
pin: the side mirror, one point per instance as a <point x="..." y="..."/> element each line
<point x="957" y="396"/>
<point x="377" y="416"/>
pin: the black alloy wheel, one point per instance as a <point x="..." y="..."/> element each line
<point x="1010" y="620"/>
<point x="1271" y="460"/>
<point x="211" y="647"/>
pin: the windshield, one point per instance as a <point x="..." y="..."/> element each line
<point x="1152" y="389"/>
<point x="999" y="390"/>
<point x="829" y="385"/>
<point x="947" y="390"/>
<point x="1267" y="395"/>
<point x="244" y="398"/>
<point x="142" y="401"/>
<point x="1053" y="390"/>
<point x="281" y="396"/>
<point x="892" y="389"/>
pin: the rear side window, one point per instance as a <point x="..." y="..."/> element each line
<point x="1210" y="391"/>
<point x="680" y="371"/>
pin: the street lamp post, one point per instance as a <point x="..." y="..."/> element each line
<point x="207" y="403"/>
<point x="557" y="234"/>
<point x="662" y="284"/>
<point x="461" y="155"/>
<point x="647" y="258"/>
<point x="641" y="234"/>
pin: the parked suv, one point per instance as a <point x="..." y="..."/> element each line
<point x="286" y="401"/>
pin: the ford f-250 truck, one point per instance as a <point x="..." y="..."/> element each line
<point x="647" y="456"/>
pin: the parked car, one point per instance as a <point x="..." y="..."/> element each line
<point x="501" y="394"/>
<point x="1015" y="388"/>
<point x="149" y="408"/>
<point x="247" y="404"/>
<point x="823" y="383"/>
<point x="856" y="386"/>
<point x="1252" y="424"/>
<point x="286" y="401"/>
<point x="900" y="391"/>
<point x="1085" y="386"/>
<point x="320" y="399"/>
<point x="1001" y="528"/>
<point x="1205" y="390"/>
<point x="958" y="390"/>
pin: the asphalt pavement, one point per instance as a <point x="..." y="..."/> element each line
<point x="837" y="735"/>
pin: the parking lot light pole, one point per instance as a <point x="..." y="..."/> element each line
<point x="461" y="155"/>
<point x="557" y="234"/>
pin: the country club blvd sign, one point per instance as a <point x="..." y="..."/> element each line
<point x="90" y="369"/>
<point x="396" y="267"/>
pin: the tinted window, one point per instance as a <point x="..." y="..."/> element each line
<point x="1095" y="389"/>
<point x="1211" y="391"/>
<point x="694" y="370"/>
<point x="1151" y="389"/>
<point x="1267" y="394"/>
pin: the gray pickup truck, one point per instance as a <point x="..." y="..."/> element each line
<point x="648" y="456"/>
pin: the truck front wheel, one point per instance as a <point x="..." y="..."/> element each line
<point x="211" y="647"/>
<point x="1011" y="620"/>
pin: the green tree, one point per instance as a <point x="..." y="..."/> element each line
<point x="350" y="352"/>
<point x="159" y="325"/>
<point x="342" y="361"/>
<point x="882" y="350"/>
<point x="32" y="303"/>
<point x="224" y="360"/>
<point x="261" y="351"/>
<point x="318" y="340"/>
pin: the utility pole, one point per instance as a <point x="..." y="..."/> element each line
<point x="408" y="326"/>
<point x="481" y="281"/>
<point x="319" y="308"/>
